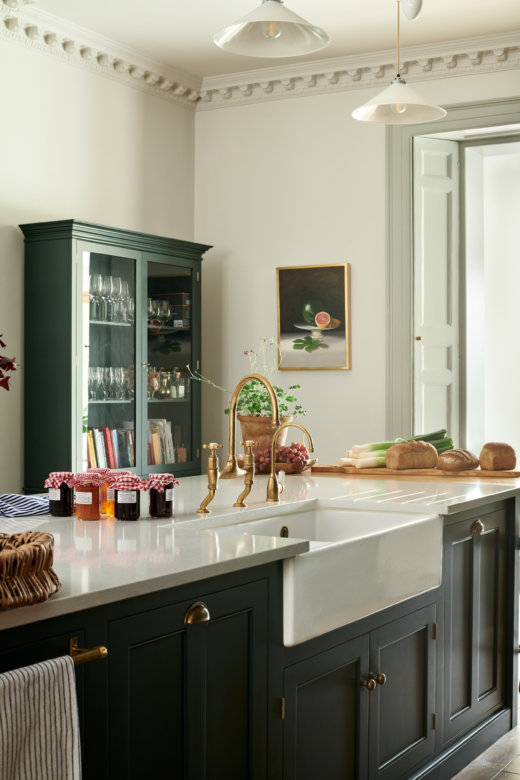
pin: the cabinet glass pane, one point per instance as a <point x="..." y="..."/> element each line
<point x="108" y="370"/>
<point x="169" y="427"/>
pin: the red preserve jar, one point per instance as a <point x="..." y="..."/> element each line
<point x="88" y="489"/>
<point x="127" y="496"/>
<point x="103" y="488"/>
<point x="61" y="493"/>
<point x="111" y="506"/>
<point x="161" y="494"/>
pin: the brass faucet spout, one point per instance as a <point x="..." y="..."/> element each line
<point x="273" y="486"/>
<point x="231" y="468"/>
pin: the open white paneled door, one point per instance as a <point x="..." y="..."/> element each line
<point x="436" y="355"/>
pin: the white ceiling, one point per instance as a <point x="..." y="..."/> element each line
<point x="179" y="32"/>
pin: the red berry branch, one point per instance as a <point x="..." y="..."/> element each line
<point x="6" y="364"/>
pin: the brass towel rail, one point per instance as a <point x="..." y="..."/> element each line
<point x="82" y="655"/>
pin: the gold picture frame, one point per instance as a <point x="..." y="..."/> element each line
<point x="314" y="317"/>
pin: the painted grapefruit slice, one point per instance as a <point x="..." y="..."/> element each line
<point x="322" y="319"/>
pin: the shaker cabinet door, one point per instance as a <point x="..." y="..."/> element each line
<point x="190" y="700"/>
<point x="326" y="714"/>
<point x="474" y="605"/>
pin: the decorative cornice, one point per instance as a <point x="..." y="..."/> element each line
<point x="77" y="46"/>
<point x="420" y="63"/>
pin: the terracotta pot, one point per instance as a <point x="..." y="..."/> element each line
<point x="261" y="429"/>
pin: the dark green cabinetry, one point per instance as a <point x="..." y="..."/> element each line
<point x="172" y="700"/>
<point x="366" y="707"/>
<point x="112" y="322"/>
<point x="475" y="577"/>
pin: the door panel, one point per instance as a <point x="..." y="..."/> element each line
<point x="436" y="285"/>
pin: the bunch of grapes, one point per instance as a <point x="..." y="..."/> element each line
<point x="296" y="453"/>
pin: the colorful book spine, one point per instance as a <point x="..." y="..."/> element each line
<point x="92" y="462"/>
<point x="100" y="448"/>
<point x="108" y="448"/>
<point x="115" y="450"/>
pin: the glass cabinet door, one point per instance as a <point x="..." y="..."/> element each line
<point x="108" y="361"/>
<point x="169" y="423"/>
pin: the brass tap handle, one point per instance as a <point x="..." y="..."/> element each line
<point x="249" y="458"/>
<point x="249" y="467"/>
<point x="212" y="476"/>
<point x="478" y="527"/>
<point x="370" y="685"/>
<point x="380" y="678"/>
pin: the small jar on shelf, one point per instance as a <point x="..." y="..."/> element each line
<point x="161" y="494"/>
<point x="88" y="491"/>
<point x="127" y="496"/>
<point x="61" y="493"/>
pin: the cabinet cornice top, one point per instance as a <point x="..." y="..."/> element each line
<point x="103" y="234"/>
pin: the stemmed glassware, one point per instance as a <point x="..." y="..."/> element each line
<point x="95" y="302"/>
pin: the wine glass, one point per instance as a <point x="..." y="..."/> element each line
<point x="106" y="299"/>
<point x="125" y="302"/>
<point x="93" y="382"/>
<point x="95" y="297"/>
<point x="116" y="296"/>
<point x="119" y="379"/>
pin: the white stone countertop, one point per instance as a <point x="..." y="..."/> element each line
<point x="105" y="561"/>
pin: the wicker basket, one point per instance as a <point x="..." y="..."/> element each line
<point x="26" y="573"/>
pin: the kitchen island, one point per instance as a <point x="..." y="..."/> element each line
<point x="416" y="689"/>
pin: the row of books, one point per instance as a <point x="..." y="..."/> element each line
<point x="160" y="442"/>
<point x="110" y="448"/>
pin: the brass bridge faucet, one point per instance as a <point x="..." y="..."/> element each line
<point x="249" y="466"/>
<point x="212" y="476"/>
<point x="273" y="486"/>
<point x="231" y="468"/>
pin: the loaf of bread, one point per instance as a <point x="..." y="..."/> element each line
<point x="411" y="455"/>
<point x="497" y="456"/>
<point x="457" y="460"/>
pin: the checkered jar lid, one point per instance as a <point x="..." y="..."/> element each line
<point x="127" y="482"/>
<point x="160" y="482"/>
<point x="103" y="472"/>
<point x="89" y="479"/>
<point x="57" y="478"/>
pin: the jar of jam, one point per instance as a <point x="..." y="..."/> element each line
<point x="161" y="494"/>
<point x="88" y="492"/>
<point x="103" y="489"/>
<point x="127" y="496"/>
<point x="61" y="493"/>
<point x="111" y="507"/>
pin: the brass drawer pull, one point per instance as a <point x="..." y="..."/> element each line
<point x="478" y="527"/>
<point x="380" y="678"/>
<point x="197" y="613"/>
<point x="370" y="685"/>
<point x="82" y="655"/>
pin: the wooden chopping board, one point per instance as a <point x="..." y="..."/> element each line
<point x="320" y="468"/>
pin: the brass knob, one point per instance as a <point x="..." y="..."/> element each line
<point x="197" y="613"/>
<point x="370" y="685"/>
<point x="380" y="678"/>
<point x="478" y="527"/>
<point x="418" y="338"/>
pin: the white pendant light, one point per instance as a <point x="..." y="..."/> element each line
<point x="271" y="31"/>
<point x="399" y="104"/>
<point x="411" y="8"/>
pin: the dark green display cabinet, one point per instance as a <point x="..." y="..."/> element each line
<point x="112" y="327"/>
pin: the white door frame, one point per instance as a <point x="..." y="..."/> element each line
<point x="399" y="221"/>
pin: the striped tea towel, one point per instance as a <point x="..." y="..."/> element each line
<point x="39" y="728"/>
<point x="13" y="505"/>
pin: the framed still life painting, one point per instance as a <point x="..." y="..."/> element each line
<point x="314" y="317"/>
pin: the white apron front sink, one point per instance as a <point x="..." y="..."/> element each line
<point x="358" y="563"/>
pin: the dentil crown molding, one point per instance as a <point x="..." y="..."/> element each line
<point x="22" y="23"/>
<point x="461" y="57"/>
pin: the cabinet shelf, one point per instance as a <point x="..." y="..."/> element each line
<point x="112" y="401"/>
<point x="154" y="331"/>
<point x="111" y="324"/>
<point x="167" y="400"/>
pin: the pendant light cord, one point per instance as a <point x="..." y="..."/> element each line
<point x="398" y="43"/>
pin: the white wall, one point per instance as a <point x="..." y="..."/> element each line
<point x="296" y="182"/>
<point x="502" y="283"/>
<point x="77" y="145"/>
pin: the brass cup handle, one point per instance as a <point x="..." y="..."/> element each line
<point x="197" y="613"/>
<point x="478" y="527"/>
<point x="370" y="685"/>
<point x="380" y="678"/>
